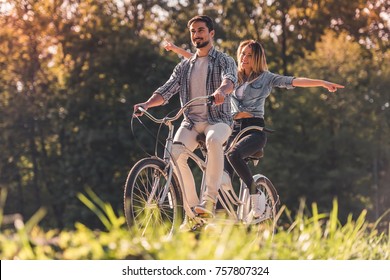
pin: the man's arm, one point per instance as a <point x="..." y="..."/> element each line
<point x="229" y="69"/>
<point x="155" y="100"/>
<point x="226" y="88"/>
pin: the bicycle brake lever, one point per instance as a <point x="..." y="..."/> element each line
<point x="210" y="100"/>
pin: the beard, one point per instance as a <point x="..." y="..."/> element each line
<point x="200" y="45"/>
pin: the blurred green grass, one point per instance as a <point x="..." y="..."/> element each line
<point x="318" y="236"/>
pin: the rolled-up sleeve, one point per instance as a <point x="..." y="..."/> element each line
<point x="172" y="86"/>
<point x="281" y="81"/>
<point x="229" y="69"/>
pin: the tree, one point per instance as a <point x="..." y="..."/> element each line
<point x="26" y="82"/>
<point x="67" y="103"/>
<point x="330" y="144"/>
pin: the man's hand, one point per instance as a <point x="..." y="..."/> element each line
<point x="219" y="97"/>
<point x="138" y="113"/>
<point x="155" y="100"/>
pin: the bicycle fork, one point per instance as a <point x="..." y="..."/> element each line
<point x="156" y="181"/>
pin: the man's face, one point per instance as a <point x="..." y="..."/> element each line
<point x="200" y="35"/>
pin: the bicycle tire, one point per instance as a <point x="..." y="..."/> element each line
<point x="272" y="204"/>
<point x="152" y="217"/>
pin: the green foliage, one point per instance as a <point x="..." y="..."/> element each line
<point x="324" y="144"/>
<point x="308" y="237"/>
<point x="71" y="71"/>
<point x="103" y="210"/>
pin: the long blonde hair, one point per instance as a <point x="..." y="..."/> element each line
<point x="259" y="61"/>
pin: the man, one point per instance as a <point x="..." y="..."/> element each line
<point x="207" y="72"/>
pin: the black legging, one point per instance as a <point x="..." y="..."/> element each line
<point x="250" y="143"/>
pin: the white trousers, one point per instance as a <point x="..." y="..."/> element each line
<point x="216" y="136"/>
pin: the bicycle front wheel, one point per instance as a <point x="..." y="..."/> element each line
<point x="147" y="206"/>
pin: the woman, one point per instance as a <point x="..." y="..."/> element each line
<point x="255" y="84"/>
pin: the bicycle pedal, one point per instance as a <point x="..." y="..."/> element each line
<point x="197" y="227"/>
<point x="257" y="220"/>
<point x="210" y="227"/>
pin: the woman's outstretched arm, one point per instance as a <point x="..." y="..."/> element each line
<point x="169" y="46"/>
<point x="306" y="82"/>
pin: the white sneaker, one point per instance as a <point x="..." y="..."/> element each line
<point x="186" y="225"/>
<point x="258" y="204"/>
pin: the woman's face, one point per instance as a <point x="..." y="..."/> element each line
<point x="246" y="59"/>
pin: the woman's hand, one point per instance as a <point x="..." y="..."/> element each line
<point x="332" y="87"/>
<point x="169" y="46"/>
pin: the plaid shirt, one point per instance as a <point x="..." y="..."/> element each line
<point x="220" y="67"/>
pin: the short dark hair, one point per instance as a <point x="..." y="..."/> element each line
<point x="206" y="19"/>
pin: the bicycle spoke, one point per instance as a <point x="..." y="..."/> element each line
<point x="146" y="208"/>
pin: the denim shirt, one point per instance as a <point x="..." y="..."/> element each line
<point x="220" y="67"/>
<point x="256" y="92"/>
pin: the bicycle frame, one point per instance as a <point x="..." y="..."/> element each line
<point x="237" y="207"/>
<point x="168" y="151"/>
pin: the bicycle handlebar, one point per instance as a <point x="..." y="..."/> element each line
<point x="209" y="100"/>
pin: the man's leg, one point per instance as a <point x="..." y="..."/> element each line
<point x="188" y="139"/>
<point x="216" y="136"/>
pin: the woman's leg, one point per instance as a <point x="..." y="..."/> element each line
<point x="227" y="166"/>
<point x="247" y="146"/>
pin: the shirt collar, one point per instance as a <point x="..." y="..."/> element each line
<point x="212" y="53"/>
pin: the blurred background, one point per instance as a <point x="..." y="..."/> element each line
<point x="71" y="71"/>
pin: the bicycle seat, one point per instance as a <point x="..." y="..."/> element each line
<point x="201" y="139"/>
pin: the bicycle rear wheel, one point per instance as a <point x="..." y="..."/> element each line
<point x="267" y="221"/>
<point x="144" y="207"/>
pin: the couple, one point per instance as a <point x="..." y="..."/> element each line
<point x="239" y="102"/>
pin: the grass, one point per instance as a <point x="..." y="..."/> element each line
<point x="313" y="236"/>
